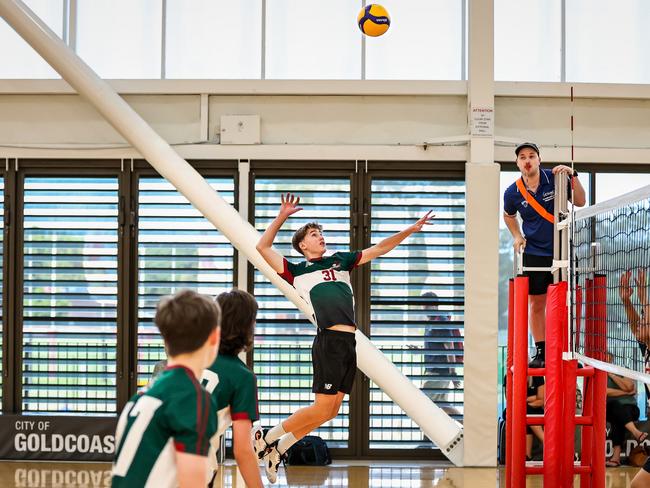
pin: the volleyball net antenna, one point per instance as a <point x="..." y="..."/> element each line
<point x="609" y="270"/>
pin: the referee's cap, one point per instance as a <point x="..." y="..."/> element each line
<point x="526" y="144"/>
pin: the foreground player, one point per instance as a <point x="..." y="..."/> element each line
<point x="324" y="282"/>
<point x="163" y="433"/>
<point x="233" y="386"/>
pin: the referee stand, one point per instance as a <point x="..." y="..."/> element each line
<point x="561" y="373"/>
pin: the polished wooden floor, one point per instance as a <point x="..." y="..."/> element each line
<point x="342" y="474"/>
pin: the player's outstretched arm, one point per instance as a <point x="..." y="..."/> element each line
<point x="641" y="281"/>
<point x="625" y="293"/>
<point x="288" y="207"/>
<point x="192" y="470"/>
<point x="244" y="455"/>
<point x="393" y="241"/>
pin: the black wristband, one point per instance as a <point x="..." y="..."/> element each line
<point x="575" y="173"/>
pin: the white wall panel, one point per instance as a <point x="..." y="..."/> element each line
<point x="611" y="127"/>
<point x="598" y="122"/>
<point x="347" y="120"/>
<point x="68" y="119"/>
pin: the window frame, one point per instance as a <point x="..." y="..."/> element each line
<point x="141" y="168"/>
<point x="361" y="173"/>
<point x="8" y="280"/>
<point x="386" y="170"/>
<point x="53" y="168"/>
<point x="126" y="171"/>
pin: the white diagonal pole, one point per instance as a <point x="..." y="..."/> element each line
<point x="436" y="424"/>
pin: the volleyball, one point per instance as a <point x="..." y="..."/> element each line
<point x="373" y="20"/>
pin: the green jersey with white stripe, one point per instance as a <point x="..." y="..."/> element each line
<point x="175" y="414"/>
<point x="234" y="391"/>
<point x="325" y="284"/>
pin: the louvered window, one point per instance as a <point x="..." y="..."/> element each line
<point x="70" y="294"/>
<point x="416" y="301"/>
<point x="178" y="248"/>
<point x="282" y="355"/>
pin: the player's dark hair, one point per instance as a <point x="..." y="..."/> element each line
<point x="239" y="310"/>
<point x="186" y="320"/>
<point x="300" y="234"/>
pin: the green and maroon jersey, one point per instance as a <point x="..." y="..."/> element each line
<point x="233" y="388"/>
<point x="175" y="414"/>
<point x="234" y="392"/>
<point x="325" y="284"/>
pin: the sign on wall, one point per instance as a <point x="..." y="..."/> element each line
<point x="482" y="122"/>
<point x="57" y="438"/>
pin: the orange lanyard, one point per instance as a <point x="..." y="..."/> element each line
<point x="534" y="203"/>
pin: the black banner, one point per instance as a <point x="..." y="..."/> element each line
<point x="57" y="438"/>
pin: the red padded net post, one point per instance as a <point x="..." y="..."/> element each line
<point x="569" y="371"/>
<point x="511" y="335"/>
<point x="556" y="320"/>
<point x="520" y="374"/>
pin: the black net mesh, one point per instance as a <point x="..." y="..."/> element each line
<point x="611" y="260"/>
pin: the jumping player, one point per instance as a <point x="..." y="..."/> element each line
<point x="163" y="433"/>
<point x="324" y="282"/>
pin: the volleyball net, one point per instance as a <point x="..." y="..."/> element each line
<point x="609" y="270"/>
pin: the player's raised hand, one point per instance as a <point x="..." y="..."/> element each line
<point x="289" y="205"/>
<point x="624" y="288"/>
<point x="425" y="220"/>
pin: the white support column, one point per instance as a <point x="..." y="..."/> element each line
<point x="242" y="204"/>
<point x="204" y="131"/>
<point x="481" y="245"/>
<point x="242" y="262"/>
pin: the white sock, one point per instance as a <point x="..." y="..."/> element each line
<point x="286" y="441"/>
<point x="274" y="434"/>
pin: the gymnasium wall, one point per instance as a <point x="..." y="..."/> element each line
<point x="611" y="129"/>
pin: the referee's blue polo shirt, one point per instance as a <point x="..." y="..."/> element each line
<point x="537" y="230"/>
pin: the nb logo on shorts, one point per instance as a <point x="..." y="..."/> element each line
<point x="328" y="386"/>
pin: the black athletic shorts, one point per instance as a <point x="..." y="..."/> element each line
<point x="533" y="411"/>
<point x="334" y="358"/>
<point x="646" y="466"/>
<point x="538" y="281"/>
